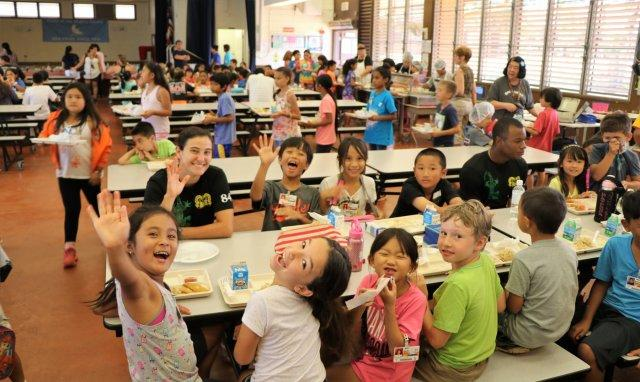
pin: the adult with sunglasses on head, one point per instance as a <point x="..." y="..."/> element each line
<point x="155" y="99"/>
<point x="511" y="94"/>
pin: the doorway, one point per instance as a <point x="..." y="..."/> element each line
<point x="345" y="45"/>
<point x="235" y="39"/>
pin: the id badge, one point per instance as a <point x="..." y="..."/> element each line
<point x="287" y="200"/>
<point x="633" y="283"/>
<point x="406" y="354"/>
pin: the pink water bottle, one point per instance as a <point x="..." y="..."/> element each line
<point x="355" y="245"/>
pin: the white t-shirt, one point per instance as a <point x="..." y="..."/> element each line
<point x="356" y="204"/>
<point x="260" y="88"/>
<point x="75" y="160"/>
<point x="39" y="95"/>
<point x="289" y="350"/>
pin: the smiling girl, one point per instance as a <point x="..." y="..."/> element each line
<point x="351" y="190"/>
<point x="196" y="192"/>
<point x="140" y="250"/>
<point x="573" y="166"/>
<point x="285" y="325"/>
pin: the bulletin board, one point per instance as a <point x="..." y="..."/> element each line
<point x="300" y="42"/>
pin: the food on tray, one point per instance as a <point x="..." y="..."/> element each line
<point x="583" y="243"/>
<point x="506" y="254"/>
<point x="190" y="285"/>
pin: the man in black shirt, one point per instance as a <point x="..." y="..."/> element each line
<point x="491" y="175"/>
<point x="196" y="192"/>
<point x="180" y="56"/>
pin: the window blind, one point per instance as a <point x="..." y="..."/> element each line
<point x="530" y="23"/>
<point x="612" y="46"/>
<point x="469" y="30"/>
<point x="444" y="32"/>
<point x="494" y="50"/>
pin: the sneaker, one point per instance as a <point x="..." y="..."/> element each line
<point x="70" y="258"/>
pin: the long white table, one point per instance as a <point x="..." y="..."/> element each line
<point x="193" y="107"/>
<point x="131" y="180"/>
<point x="133" y="96"/>
<point x="255" y="248"/>
<point x="258" y="108"/>
<point x="18" y="110"/>
<point x="398" y="164"/>
<point x="557" y="363"/>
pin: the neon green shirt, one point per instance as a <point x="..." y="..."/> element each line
<point x="166" y="149"/>
<point x="556" y="185"/>
<point x="467" y="307"/>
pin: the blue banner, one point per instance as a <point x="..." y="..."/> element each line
<point x="74" y="30"/>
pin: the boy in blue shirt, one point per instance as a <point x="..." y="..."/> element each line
<point x="225" y="117"/>
<point x="379" y="131"/>
<point x="446" y="124"/>
<point x="613" y="309"/>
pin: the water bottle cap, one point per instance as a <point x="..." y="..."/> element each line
<point x="519" y="182"/>
<point x="608" y="185"/>
<point x="355" y="232"/>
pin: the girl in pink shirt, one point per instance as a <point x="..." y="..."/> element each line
<point x="393" y="320"/>
<point x="325" y="121"/>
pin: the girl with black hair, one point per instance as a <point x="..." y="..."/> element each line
<point x="155" y="99"/>
<point x="6" y="51"/>
<point x="393" y="320"/>
<point x="573" y="166"/>
<point x="297" y="325"/>
<point x="327" y="117"/>
<point x="511" y="94"/>
<point x="78" y="166"/>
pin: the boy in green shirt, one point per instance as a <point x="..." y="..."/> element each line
<point x="146" y="148"/>
<point x="463" y="326"/>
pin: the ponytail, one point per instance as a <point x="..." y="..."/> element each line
<point x="106" y="299"/>
<point x="327" y="306"/>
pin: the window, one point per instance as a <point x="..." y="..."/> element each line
<point x="125" y="12"/>
<point x="83" y="11"/>
<point x="27" y="9"/>
<point x="494" y="48"/>
<point x="529" y="25"/>
<point x="614" y="33"/>
<point x="49" y="10"/>
<point x="578" y="46"/>
<point x="397" y="29"/>
<point x="469" y="30"/>
<point x="7" y="9"/>
<point x="444" y="32"/>
<point x="566" y="44"/>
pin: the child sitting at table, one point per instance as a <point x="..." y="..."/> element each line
<point x="543" y="278"/>
<point x="573" y="166"/>
<point x="351" y="190"/>
<point x="613" y="157"/>
<point x="288" y="201"/>
<point x="196" y="192"/>
<point x="225" y="117"/>
<point x="427" y="188"/>
<point x="140" y="249"/>
<point x="464" y="323"/>
<point x="39" y="94"/>
<point x="127" y="83"/>
<point x="379" y="131"/>
<point x="146" y="148"/>
<point x="478" y="133"/>
<point x="296" y="326"/>
<point x="446" y="124"/>
<point x="613" y="309"/>
<point x="545" y="128"/>
<point x="392" y="321"/>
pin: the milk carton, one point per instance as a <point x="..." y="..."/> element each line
<point x="239" y="276"/>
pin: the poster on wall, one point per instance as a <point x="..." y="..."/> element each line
<point x="72" y="30"/>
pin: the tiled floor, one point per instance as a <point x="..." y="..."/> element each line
<point x="59" y="339"/>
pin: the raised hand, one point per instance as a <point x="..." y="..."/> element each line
<point x="265" y="150"/>
<point x="112" y="226"/>
<point x="175" y="185"/>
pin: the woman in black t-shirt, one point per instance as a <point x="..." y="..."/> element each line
<point x="196" y="192"/>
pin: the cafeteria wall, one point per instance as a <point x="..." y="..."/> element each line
<point x="124" y="36"/>
<point x="232" y="14"/>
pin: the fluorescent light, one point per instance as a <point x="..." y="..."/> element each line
<point x="282" y="3"/>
